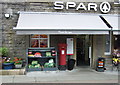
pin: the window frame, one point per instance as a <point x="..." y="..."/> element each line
<point x="39" y="39"/>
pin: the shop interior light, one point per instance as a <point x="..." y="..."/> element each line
<point x="116" y="38"/>
<point x="7" y="15"/>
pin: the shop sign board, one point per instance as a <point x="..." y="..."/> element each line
<point x="104" y="7"/>
<point x="69" y="46"/>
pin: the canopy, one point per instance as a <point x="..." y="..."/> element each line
<point x="113" y="20"/>
<point x="60" y="23"/>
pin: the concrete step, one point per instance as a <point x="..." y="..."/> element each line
<point x="108" y="58"/>
<point x="108" y="68"/>
<point x="108" y="64"/>
<point x="13" y="72"/>
<point x="108" y="61"/>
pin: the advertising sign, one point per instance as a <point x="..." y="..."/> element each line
<point x="104" y="7"/>
<point x="69" y="46"/>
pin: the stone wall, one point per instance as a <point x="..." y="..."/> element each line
<point x="0" y="25"/>
<point x="17" y="44"/>
<point x="49" y="7"/>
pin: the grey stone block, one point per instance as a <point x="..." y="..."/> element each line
<point x="12" y="72"/>
<point x="4" y="72"/>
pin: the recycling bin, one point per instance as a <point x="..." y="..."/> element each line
<point x="71" y="63"/>
<point x="100" y="64"/>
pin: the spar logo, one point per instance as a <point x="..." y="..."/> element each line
<point x="104" y="7"/>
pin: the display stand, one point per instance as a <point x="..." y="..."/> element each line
<point x="41" y="59"/>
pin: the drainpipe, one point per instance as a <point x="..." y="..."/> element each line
<point x="111" y="40"/>
<point x="110" y="33"/>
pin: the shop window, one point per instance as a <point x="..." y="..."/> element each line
<point x="39" y="41"/>
<point x="116" y="1"/>
<point x="117" y="42"/>
<point x="107" y="45"/>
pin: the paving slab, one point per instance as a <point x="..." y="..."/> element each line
<point x="23" y="79"/>
<point x="46" y="79"/>
<point x="0" y="80"/>
<point x="82" y="81"/>
<point x="74" y="76"/>
<point x="7" y="79"/>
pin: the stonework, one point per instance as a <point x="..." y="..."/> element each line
<point x="15" y="42"/>
<point x="9" y="36"/>
<point x="18" y="44"/>
<point x="0" y="25"/>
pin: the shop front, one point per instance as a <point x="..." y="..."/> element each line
<point x="83" y="35"/>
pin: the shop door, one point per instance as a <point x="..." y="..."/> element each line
<point x="82" y="51"/>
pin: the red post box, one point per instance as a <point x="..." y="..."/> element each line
<point x="62" y="56"/>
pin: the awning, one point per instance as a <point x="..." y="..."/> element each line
<point x="113" y="20"/>
<point x="61" y="23"/>
<point x="61" y="32"/>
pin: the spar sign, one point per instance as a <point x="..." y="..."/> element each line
<point x="104" y="7"/>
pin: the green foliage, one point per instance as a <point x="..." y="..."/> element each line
<point x="4" y="51"/>
<point x="18" y="62"/>
<point x="8" y="62"/>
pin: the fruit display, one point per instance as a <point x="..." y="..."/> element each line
<point x="37" y="54"/>
<point x="31" y="55"/>
<point x="49" y="64"/>
<point x="34" y="54"/>
<point x="48" y="54"/>
<point x="34" y="64"/>
<point x="41" y="59"/>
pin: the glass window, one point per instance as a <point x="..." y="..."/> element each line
<point x="40" y="41"/>
<point x="35" y="36"/>
<point x="107" y="45"/>
<point x="34" y="43"/>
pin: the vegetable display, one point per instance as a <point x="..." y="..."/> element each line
<point x="34" y="64"/>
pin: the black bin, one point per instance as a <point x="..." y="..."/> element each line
<point x="100" y="64"/>
<point x="71" y="63"/>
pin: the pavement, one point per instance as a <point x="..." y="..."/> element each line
<point x="78" y="75"/>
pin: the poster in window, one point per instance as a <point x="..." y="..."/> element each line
<point x="34" y="43"/>
<point x="69" y="46"/>
<point x="43" y="43"/>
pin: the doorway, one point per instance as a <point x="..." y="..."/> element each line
<point x="82" y="49"/>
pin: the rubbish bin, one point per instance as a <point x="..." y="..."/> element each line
<point x="71" y="63"/>
<point x="100" y="64"/>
